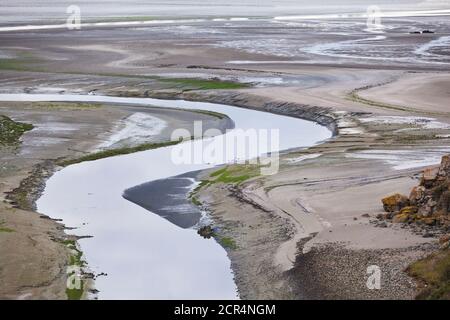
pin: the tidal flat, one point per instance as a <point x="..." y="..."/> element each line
<point x="382" y="96"/>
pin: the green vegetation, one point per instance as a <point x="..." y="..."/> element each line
<point x="75" y="262"/>
<point x="75" y="258"/>
<point x="116" y="152"/>
<point x="218" y="172"/>
<point x="20" y="63"/>
<point x="434" y="272"/>
<point x="192" y="196"/>
<point x="26" y="61"/>
<point x="65" y="105"/>
<point x="200" y="84"/>
<point x="12" y="64"/>
<point x="235" y="174"/>
<point x="227" y="242"/>
<point x="195" y="201"/>
<point x="75" y="294"/>
<point x="11" y="131"/>
<point x="5" y="229"/>
<point x="21" y="198"/>
<point x="186" y="84"/>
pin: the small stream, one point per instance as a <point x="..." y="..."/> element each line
<point x="144" y="255"/>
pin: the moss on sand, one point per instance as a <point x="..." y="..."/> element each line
<point x="11" y="131"/>
<point x="235" y="174"/>
<point x="24" y="61"/>
<point x="5" y="229"/>
<point x="203" y="84"/>
<point x="65" y="105"/>
<point x="227" y="242"/>
<point x="116" y="152"/>
<point x="76" y="262"/>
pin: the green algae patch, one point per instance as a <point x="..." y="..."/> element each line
<point x="11" y="131"/>
<point x="201" y="84"/>
<point x="75" y="281"/>
<point x="227" y="242"/>
<point x="65" y="105"/>
<point x="24" y="61"/>
<point x="116" y="152"/>
<point x="5" y="229"/>
<point x="235" y="174"/>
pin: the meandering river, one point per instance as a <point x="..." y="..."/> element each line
<point x="144" y="255"/>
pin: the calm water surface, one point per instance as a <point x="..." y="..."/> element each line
<point x="144" y="255"/>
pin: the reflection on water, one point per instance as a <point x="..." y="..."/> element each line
<point x="146" y="256"/>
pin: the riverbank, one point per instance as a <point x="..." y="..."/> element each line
<point x="328" y="194"/>
<point x="282" y="210"/>
<point x="232" y="202"/>
<point x="321" y="207"/>
<point x="62" y="131"/>
<point x="277" y="205"/>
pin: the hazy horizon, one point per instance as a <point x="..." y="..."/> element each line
<point x="27" y="11"/>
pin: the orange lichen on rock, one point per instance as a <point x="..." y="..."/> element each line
<point x="395" y="202"/>
<point x="401" y="218"/>
<point x="428" y="203"/>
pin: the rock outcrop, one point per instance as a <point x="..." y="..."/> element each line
<point x="206" y="232"/>
<point x="395" y="202"/>
<point x="428" y="203"/>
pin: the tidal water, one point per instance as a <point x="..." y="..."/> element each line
<point x="144" y="255"/>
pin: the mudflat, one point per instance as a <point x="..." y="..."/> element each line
<point x="310" y="231"/>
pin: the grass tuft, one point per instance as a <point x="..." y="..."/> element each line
<point x="75" y="294"/>
<point x="117" y="152"/>
<point x="75" y="261"/>
<point x="234" y="174"/>
<point x="228" y="242"/>
<point x="434" y="272"/>
<point x="201" y="84"/>
<point x="25" y="61"/>
<point x="11" y="131"/>
<point x="65" y="105"/>
<point x="5" y="229"/>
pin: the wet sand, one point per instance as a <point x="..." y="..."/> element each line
<point x="62" y="130"/>
<point x="308" y="214"/>
<point x="325" y="199"/>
